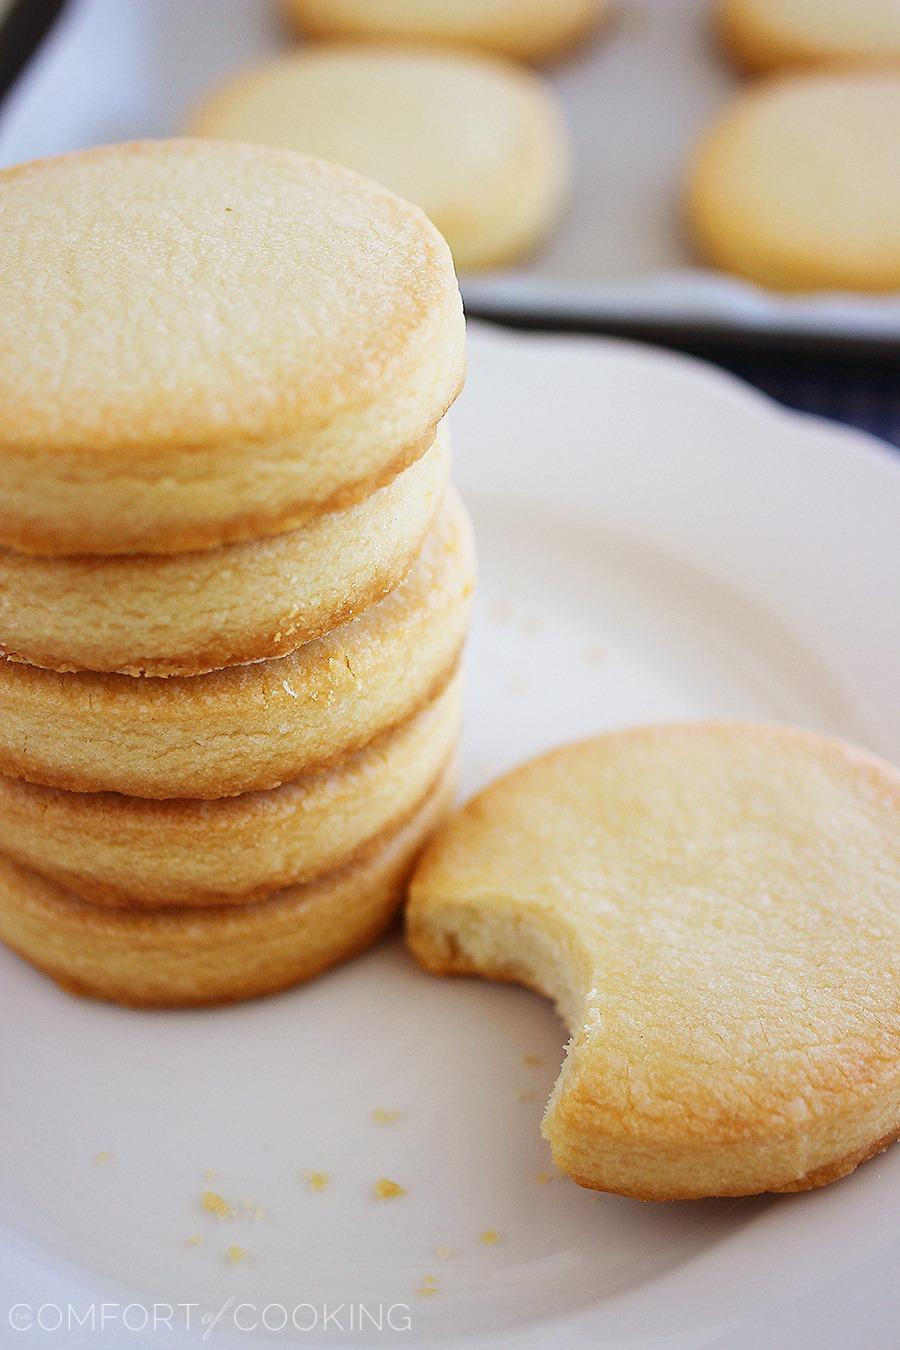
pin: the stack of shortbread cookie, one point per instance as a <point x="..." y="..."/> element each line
<point x="234" y="585"/>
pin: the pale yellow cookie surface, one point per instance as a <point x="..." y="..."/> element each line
<point x="479" y="144"/>
<point x="529" y="30"/>
<point x="191" y="957"/>
<point x="207" y="342"/>
<point x="715" y="908"/>
<point x="797" y="186"/>
<point x="133" y="853"/>
<point x="253" y="726"/>
<point x="187" y="613"/>
<point x="772" y="34"/>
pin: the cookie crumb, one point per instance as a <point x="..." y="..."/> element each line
<point x="528" y="1095"/>
<point x="490" y="1237"/>
<point x="385" y="1189"/>
<point x="381" y="1117"/>
<point x="444" y="1253"/>
<point x="216" y="1204"/>
<point x="533" y="1061"/>
<point x="210" y="1174"/>
<point x="256" y="1211"/>
<point x="236" y="1254"/>
<point x="316" y="1181"/>
<point x="195" y="1240"/>
<point x="102" y="1158"/>
<point x="427" y="1286"/>
<point x="543" y="1178"/>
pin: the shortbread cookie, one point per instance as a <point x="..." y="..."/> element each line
<point x="479" y="144"/>
<point x="772" y="34"/>
<point x="188" y="957"/>
<point x="715" y="908"/>
<point x="529" y="30"/>
<point x="255" y="726"/>
<point x="206" y="342"/>
<point x="186" y="613"/>
<point x="131" y="853"/>
<point x="797" y="186"/>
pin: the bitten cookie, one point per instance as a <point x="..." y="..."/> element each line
<point x="479" y="144"/>
<point x="255" y="726"/>
<point x="797" y="186"/>
<point x="179" y="958"/>
<point x="188" y="613"/>
<point x="206" y="342"/>
<point x="715" y="908"/>
<point x="772" y="34"/>
<point x="529" y="30"/>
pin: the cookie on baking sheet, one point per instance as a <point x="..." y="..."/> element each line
<point x="529" y="30"/>
<point x="773" y="34"/>
<point x="797" y="185"/>
<point x="187" y="613"/>
<point x="479" y="144"/>
<point x="715" y="908"/>
<point x="191" y="957"/>
<point x="206" y="342"/>
<point x="134" y="853"/>
<point x="254" y="726"/>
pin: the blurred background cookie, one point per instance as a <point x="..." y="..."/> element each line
<point x="797" y="184"/>
<point x="530" y="30"/>
<point x="479" y="144"/>
<point x="771" y="34"/>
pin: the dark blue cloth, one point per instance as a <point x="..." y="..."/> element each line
<point x="863" y="392"/>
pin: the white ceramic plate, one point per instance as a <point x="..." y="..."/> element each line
<point x="637" y="98"/>
<point x="656" y="541"/>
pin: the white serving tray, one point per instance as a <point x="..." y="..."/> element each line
<point x="637" y="97"/>
<point x="656" y="541"/>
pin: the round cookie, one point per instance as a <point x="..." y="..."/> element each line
<point x="134" y="853"/>
<point x="528" y="30"/>
<point x="255" y="726"/>
<point x="479" y="144"/>
<point x="797" y="186"/>
<point x="773" y="34"/>
<point x="207" y="342"/>
<point x="191" y="957"/>
<point x="715" y="908"/>
<point x="187" y="613"/>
